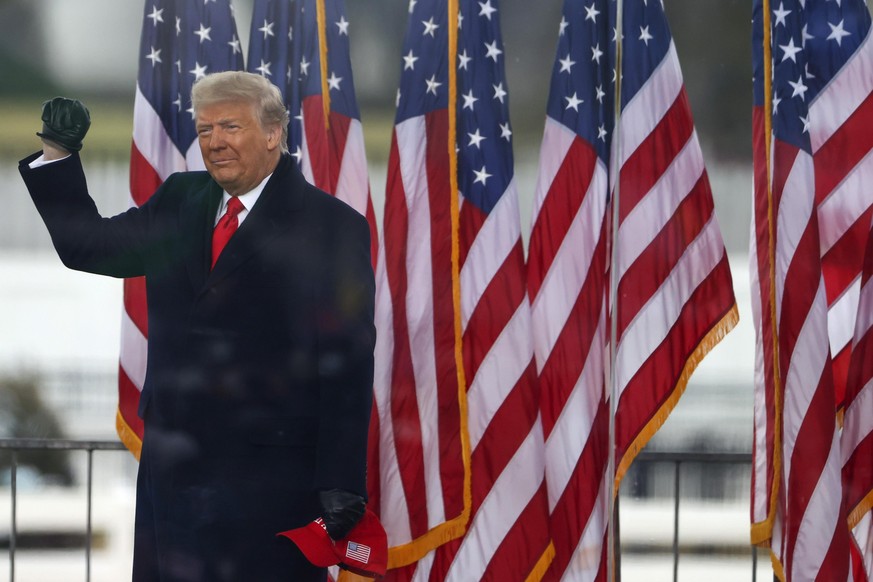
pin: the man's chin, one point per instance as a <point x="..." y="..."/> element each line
<point x="223" y="176"/>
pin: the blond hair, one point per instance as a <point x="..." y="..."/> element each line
<point x="245" y="87"/>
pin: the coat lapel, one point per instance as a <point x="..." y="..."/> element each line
<point x="198" y="222"/>
<point x="269" y="217"/>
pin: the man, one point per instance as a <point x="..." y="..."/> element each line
<point x="258" y="388"/>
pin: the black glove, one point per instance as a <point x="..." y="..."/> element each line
<point x="65" y="122"/>
<point x="342" y="510"/>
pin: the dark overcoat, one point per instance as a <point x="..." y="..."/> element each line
<point x="259" y="379"/>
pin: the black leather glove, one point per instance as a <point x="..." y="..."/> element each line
<point x="65" y="122"/>
<point x="341" y="511"/>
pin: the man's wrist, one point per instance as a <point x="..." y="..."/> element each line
<point x="52" y="151"/>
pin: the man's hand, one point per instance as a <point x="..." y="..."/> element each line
<point x="64" y="124"/>
<point x="342" y="510"/>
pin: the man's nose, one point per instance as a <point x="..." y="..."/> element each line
<point x="216" y="140"/>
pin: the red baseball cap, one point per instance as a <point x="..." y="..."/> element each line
<point x="364" y="551"/>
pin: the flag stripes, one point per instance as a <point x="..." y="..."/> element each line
<point x="423" y="468"/>
<point x="857" y="436"/>
<point x="841" y="145"/>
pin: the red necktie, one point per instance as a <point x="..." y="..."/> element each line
<point x="226" y="226"/>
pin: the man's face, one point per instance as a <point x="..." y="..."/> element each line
<point x="237" y="151"/>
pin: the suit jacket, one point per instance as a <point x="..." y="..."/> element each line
<point x="259" y="378"/>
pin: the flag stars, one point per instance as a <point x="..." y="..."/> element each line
<point x="601" y="133"/>
<point x="432" y="85"/>
<point x="486" y="10"/>
<point x="304" y="66"/>
<point x="805" y="122"/>
<point x="235" y="46"/>
<point x="464" y="60"/>
<point x="591" y="13"/>
<point x="573" y="102"/>
<point x="805" y="36"/>
<point x="333" y="81"/>
<point x="562" y="26"/>
<point x="203" y="33"/>
<point x="178" y="26"/>
<point x="198" y="71"/>
<point x="599" y="94"/>
<point x="412" y="4"/>
<point x="781" y="14"/>
<point x="154" y="56"/>
<point x="156" y="15"/>
<point x="492" y="51"/>
<point x="776" y="102"/>
<point x="475" y="138"/>
<point x="645" y="36"/>
<point x="499" y="91"/>
<point x="615" y="34"/>
<point x="343" y="25"/>
<point x="799" y="87"/>
<point x="178" y="102"/>
<point x="566" y="64"/>
<point x="298" y="155"/>
<point x="505" y="132"/>
<point x="429" y="27"/>
<point x="789" y="51"/>
<point x="267" y="29"/>
<point x="409" y="61"/>
<point x="596" y="53"/>
<point x="460" y="20"/>
<point x="469" y="100"/>
<point x="264" y="69"/>
<point x="481" y="176"/>
<point x="838" y="32"/>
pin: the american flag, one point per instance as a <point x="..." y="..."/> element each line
<point x="461" y="440"/>
<point x="325" y="136"/>
<point x="181" y="42"/>
<point x="797" y="496"/>
<point x="359" y="552"/>
<point x="675" y="299"/>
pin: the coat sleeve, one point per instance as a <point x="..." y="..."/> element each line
<point x="83" y="239"/>
<point x="346" y="340"/>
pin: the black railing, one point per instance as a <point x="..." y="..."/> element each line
<point x="677" y="459"/>
<point x="18" y="445"/>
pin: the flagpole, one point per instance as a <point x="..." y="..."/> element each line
<point x="321" y="19"/>
<point x="613" y="549"/>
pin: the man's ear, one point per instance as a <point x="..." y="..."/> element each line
<point x="274" y="135"/>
